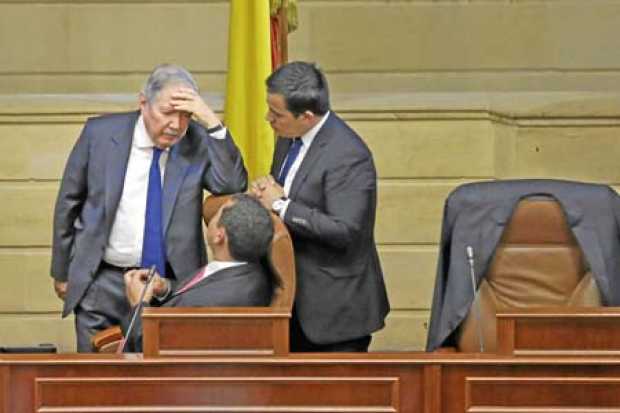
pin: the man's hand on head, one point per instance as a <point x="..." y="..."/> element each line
<point x="135" y="280"/>
<point x="188" y="100"/>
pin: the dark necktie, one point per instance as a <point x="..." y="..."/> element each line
<point x="153" y="248"/>
<point x="293" y="151"/>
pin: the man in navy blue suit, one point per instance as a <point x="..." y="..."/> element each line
<point x="323" y="184"/>
<point x="132" y="190"/>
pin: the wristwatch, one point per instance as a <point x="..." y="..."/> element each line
<point x="278" y="205"/>
<point x="214" y="129"/>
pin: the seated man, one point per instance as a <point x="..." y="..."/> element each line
<point x="239" y="236"/>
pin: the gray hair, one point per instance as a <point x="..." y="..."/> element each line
<point x="164" y="75"/>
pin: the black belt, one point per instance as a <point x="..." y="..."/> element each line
<point x="107" y="266"/>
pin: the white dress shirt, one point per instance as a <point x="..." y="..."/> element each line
<point x="307" y="139"/>
<point x="124" y="248"/>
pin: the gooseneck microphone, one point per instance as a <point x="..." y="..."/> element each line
<point x="470" y="259"/>
<point x="149" y="278"/>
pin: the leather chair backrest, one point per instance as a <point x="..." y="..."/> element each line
<point x="537" y="263"/>
<point x="280" y="260"/>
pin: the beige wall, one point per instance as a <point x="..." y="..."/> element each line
<point x="444" y="92"/>
<point x="94" y="46"/>
<point x="424" y="145"/>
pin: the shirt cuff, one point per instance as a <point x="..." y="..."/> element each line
<point x="284" y="208"/>
<point x="220" y="133"/>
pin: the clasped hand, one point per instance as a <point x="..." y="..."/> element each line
<point x="266" y="190"/>
<point x="135" y="280"/>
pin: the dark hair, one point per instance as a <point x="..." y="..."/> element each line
<point x="303" y="87"/>
<point x="248" y="227"/>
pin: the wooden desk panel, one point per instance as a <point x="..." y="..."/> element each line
<point x="527" y="394"/>
<point x="4" y="388"/>
<point x="406" y="382"/>
<point x="355" y="394"/>
<point x="215" y="331"/>
<point x="559" y="331"/>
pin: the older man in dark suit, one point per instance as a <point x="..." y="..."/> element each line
<point x="131" y="196"/>
<point x="239" y="236"/>
<point x="323" y="184"/>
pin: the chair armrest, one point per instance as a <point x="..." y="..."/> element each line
<point x="108" y="340"/>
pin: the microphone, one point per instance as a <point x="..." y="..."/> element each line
<point x="149" y="278"/>
<point x="470" y="259"/>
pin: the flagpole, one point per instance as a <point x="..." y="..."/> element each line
<point x="283" y="21"/>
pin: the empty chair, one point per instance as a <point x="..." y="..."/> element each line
<point x="536" y="243"/>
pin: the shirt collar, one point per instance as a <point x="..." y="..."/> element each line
<point x="141" y="137"/>
<point x="309" y="136"/>
<point x="215" y="266"/>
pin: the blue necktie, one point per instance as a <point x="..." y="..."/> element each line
<point x="153" y="248"/>
<point x="293" y="151"/>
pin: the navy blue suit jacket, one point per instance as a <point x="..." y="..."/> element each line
<point x="92" y="186"/>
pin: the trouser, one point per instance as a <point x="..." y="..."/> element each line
<point x="103" y="305"/>
<point x="300" y="343"/>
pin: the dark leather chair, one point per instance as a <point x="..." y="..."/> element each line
<point x="537" y="263"/>
<point x="281" y="263"/>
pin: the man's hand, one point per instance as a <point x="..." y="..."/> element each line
<point x="160" y="286"/>
<point x="61" y="289"/>
<point x="267" y="190"/>
<point x="135" y="281"/>
<point x="187" y="100"/>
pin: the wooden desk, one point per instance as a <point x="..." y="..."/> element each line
<point x="591" y="331"/>
<point x="372" y="383"/>
<point x="215" y="331"/>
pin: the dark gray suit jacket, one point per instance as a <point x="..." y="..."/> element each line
<point x="92" y="185"/>
<point x="340" y="289"/>
<point x="243" y="286"/>
<point x="476" y="214"/>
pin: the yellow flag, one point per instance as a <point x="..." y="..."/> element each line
<point x="249" y="64"/>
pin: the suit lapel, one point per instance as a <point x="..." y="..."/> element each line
<point x="178" y="289"/>
<point x="588" y="240"/>
<point x="279" y="154"/>
<point x="491" y="232"/>
<point x="314" y="153"/>
<point x="117" y="157"/>
<point x="481" y="227"/>
<point x="223" y="273"/>
<point x="176" y="168"/>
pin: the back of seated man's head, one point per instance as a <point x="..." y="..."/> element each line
<point x="248" y="226"/>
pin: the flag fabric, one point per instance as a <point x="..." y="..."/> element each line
<point x="281" y="25"/>
<point x="249" y="64"/>
<point x="291" y="12"/>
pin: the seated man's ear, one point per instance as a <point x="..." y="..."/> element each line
<point x="219" y="236"/>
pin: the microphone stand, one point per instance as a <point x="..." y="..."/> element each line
<point x="476" y="309"/>
<point x="149" y="278"/>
